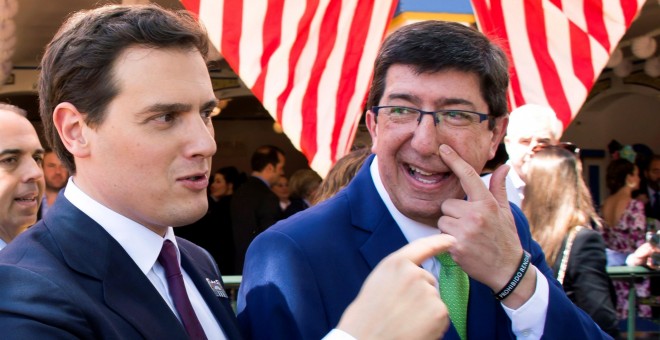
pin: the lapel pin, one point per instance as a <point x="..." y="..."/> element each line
<point x="217" y="288"/>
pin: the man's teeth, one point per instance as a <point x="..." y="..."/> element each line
<point x="424" y="173"/>
<point x="26" y="199"/>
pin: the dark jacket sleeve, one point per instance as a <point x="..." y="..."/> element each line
<point x="587" y="283"/>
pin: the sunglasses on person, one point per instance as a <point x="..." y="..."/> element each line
<point x="566" y="146"/>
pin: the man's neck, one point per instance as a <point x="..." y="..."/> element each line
<point x="51" y="196"/>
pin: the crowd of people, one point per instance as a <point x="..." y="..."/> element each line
<point x="116" y="230"/>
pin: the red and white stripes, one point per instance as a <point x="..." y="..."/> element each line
<point x="557" y="48"/>
<point x="309" y="62"/>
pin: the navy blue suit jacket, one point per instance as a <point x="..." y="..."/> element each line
<point x="302" y="273"/>
<point x="67" y="278"/>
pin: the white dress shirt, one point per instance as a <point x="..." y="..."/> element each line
<point x="515" y="187"/>
<point x="527" y="322"/>
<point x="143" y="246"/>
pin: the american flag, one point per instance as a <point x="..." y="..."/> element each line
<point x="308" y="62"/>
<point x="557" y="48"/>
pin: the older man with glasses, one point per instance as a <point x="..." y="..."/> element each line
<point x="437" y="113"/>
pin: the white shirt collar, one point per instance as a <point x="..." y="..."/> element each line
<point x="518" y="183"/>
<point x="411" y="229"/>
<point x="141" y="244"/>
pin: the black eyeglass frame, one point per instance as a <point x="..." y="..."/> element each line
<point x="436" y="120"/>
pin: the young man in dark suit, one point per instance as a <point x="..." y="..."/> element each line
<point x="126" y="100"/>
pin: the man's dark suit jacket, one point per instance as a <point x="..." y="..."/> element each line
<point x="254" y="208"/>
<point x="67" y="278"/>
<point x="586" y="281"/>
<point x="302" y="273"/>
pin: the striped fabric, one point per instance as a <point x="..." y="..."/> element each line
<point x="309" y="62"/>
<point x="557" y="48"/>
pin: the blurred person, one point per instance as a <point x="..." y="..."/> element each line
<point x="559" y="208"/>
<point x="341" y="173"/>
<point x="254" y="206"/>
<point x="624" y="231"/>
<point x="126" y="98"/>
<point x="21" y="175"/>
<point x="56" y="175"/>
<point x="652" y="172"/>
<point x="437" y="111"/>
<point x="214" y="231"/>
<point x="303" y="185"/>
<point x="529" y="125"/>
<point x="281" y="190"/>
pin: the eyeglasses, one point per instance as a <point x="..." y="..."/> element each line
<point x="406" y="115"/>
<point x="566" y="146"/>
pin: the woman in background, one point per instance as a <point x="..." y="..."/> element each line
<point x="559" y="208"/>
<point x="625" y="231"/>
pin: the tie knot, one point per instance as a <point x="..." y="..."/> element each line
<point x="168" y="259"/>
<point x="446" y="260"/>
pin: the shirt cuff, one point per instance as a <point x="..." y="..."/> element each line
<point x="338" y="334"/>
<point x="528" y="321"/>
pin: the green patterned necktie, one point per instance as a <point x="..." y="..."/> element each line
<point x="454" y="291"/>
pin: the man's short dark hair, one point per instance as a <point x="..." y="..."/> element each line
<point x="432" y="46"/>
<point x="264" y="155"/>
<point x="78" y="63"/>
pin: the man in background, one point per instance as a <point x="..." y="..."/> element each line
<point x="56" y="175"/>
<point x="21" y="176"/>
<point x="255" y="206"/>
<point x="529" y="126"/>
<point x="652" y="172"/>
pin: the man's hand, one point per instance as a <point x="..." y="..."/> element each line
<point x="399" y="299"/>
<point x="486" y="245"/>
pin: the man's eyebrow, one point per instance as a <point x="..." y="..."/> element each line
<point x="454" y="101"/>
<point x="176" y="107"/>
<point x="10" y="152"/>
<point x="166" y="107"/>
<point x="404" y="96"/>
<point x="211" y="104"/>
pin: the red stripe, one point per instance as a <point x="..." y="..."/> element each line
<point x="552" y="87"/>
<point x="581" y="56"/>
<point x="595" y="19"/>
<point x="494" y="27"/>
<point x="357" y="38"/>
<point x="296" y="50"/>
<point x="629" y="8"/>
<point x="272" y="37"/>
<point x="327" y="39"/>
<point x="192" y="6"/>
<point x="232" y="21"/>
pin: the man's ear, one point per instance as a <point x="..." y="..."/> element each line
<point x="371" y="126"/>
<point x="71" y="126"/>
<point x="499" y="131"/>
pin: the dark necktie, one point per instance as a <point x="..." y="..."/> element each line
<point x="656" y="204"/>
<point x="168" y="260"/>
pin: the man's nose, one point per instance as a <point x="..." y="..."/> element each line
<point x="425" y="136"/>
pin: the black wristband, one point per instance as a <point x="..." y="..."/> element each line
<point x="516" y="278"/>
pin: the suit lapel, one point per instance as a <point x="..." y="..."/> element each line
<point x="368" y="212"/>
<point x="88" y="249"/>
<point x="130" y="293"/>
<point x="220" y="306"/>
